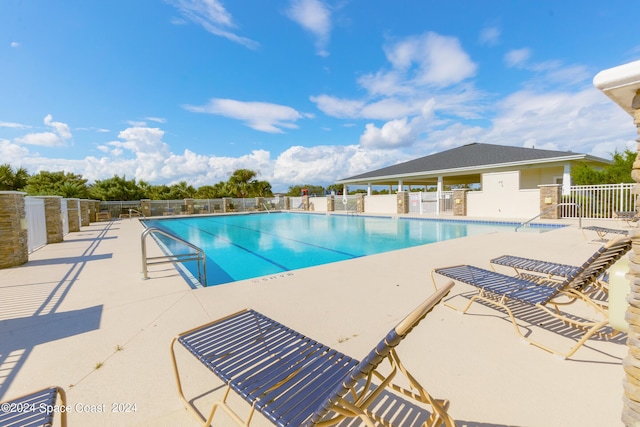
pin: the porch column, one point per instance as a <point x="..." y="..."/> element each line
<point x="622" y="85"/>
<point x="566" y="180"/>
<point x="439" y="194"/>
<point x="631" y="364"/>
<point x="400" y="186"/>
<point x="368" y="189"/>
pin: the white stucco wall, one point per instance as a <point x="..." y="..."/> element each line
<point x="319" y="204"/>
<point x="381" y="204"/>
<point x="501" y="197"/>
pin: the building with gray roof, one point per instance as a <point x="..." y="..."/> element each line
<point x="466" y="165"/>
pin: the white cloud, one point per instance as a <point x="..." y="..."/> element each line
<point x="395" y="133"/>
<point x="326" y="164"/>
<point x="438" y="60"/>
<point x="517" y="58"/>
<point x="261" y="116"/>
<point x="490" y="36"/>
<point x="58" y="138"/>
<point x="61" y="129"/>
<point x="15" y="44"/>
<point x="13" y="125"/>
<point x="13" y="154"/>
<point x="156" y="119"/>
<point x="213" y="17"/>
<point x="424" y="70"/>
<point x="338" y="107"/>
<point x="315" y="17"/>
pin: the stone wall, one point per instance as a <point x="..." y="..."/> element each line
<point x="85" y="218"/>
<point x="460" y="202"/>
<point x="73" y="212"/>
<point x="53" y="215"/>
<point x="14" y="249"/>
<point x="402" y="198"/>
<point x="550" y="195"/>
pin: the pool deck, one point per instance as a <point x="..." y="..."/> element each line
<point x="79" y="315"/>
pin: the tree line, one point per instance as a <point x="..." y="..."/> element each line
<point x="242" y="183"/>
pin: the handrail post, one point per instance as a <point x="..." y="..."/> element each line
<point x="200" y="255"/>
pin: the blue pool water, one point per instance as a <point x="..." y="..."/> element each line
<point x="246" y="246"/>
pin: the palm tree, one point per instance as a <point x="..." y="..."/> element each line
<point x="240" y="182"/>
<point x="11" y="180"/>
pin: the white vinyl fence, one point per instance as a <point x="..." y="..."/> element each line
<point x="65" y="217"/>
<point x="430" y="202"/>
<point x="36" y="223"/>
<point x="599" y="201"/>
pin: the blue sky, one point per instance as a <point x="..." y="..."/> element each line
<point x="302" y="91"/>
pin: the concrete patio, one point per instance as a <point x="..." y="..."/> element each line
<point x="79" y="315"/>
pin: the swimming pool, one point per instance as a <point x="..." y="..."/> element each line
<point x="246" y="246"/>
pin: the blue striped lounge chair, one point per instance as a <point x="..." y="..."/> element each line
<point x="523" y="267"/>
<point x="546" y="294"/>
<point x="34" y="409"/>
<point x="602" y="232"/>
<point x="631" y="217"/>
<point x="295" y="381"/>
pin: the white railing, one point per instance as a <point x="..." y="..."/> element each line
<point x="599" y="201"/>
<point x="430" y="202"/>
<point x="36" y="223"/>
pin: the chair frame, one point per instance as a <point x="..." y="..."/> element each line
<point x="349" y="394"/>
<point x="630" y="217"/>
<point x="524" y="267"/>
<point x="46" y="396"/>
<point x="499" y="290"/>
<point x="603" y="231"/>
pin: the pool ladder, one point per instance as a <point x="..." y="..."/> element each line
<point x="198" y="255"/>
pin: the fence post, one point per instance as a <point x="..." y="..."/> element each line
<point x="460" y="202"/>
<point x="402" y="198"/>
<point x="73" y="212"/>
<point x="53" y="218"/>
<point x="14" y="246"/>
<point x="550" y="195"/>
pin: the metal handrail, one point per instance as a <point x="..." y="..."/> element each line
<point x="131" y="210"/>
<point x="551" y="208"/>
<point x="199" y="254"/>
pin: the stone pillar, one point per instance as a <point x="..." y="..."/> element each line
<point x="331" y="203"/>
<point x="145" y="207"/>
<point x="631" y="363"/>
<point x="550" y="195"/>
<point x="260" y="203"/>
<point x="14" y="248"/>
<point x="460" y="202"/>
<point x="84" y="213"/>
<point x="305" y="202"/>
<point x="73" y="212"/>
<point x="403" y="202"/>
<point x="360" y="203"/>
<point x="53" y="217"/>
<point x="287" y="203"/>
<point x="225" y="204"/>
<point x="92" y="211"/>
<point x="188" y="203"/>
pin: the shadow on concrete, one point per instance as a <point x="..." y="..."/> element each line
<point x="30" y="315"/>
